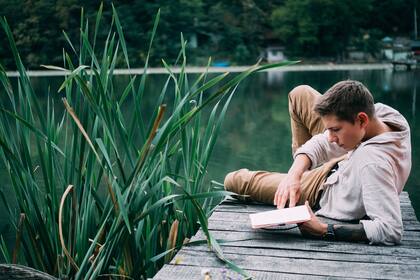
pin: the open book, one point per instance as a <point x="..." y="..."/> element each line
<point x="277" y="217"/>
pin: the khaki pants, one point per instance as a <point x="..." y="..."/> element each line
<point x="262" y="185"/>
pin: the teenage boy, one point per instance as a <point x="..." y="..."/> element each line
<point x="351" y="160"/>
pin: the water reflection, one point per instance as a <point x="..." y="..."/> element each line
<point x="274" y="77"/>
<point x="413" y="104"/>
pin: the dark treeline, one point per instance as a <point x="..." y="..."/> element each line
<point x="233" y="30"/>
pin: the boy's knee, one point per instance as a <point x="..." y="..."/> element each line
<point x="235" y="179"/>
<point x="299" y="92"/>
<point x="229" y="181"/>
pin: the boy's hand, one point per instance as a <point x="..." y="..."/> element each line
<point x="313" y="227"/>
<point x="288" y="189"/>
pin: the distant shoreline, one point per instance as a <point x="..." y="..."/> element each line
<point x="233" y="69"/>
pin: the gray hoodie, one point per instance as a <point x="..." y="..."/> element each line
<point x="367" y="184"/>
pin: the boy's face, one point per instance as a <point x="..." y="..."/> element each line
<point x="344" y="133"/>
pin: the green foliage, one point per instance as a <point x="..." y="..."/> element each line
<point x="102" y="187"/>
<point x="318" y="27"/>
<point x="37" y="27"/>
<point x="235" y="30"/>
<point x="326" y="27"/>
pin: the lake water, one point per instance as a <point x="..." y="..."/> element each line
<point x="256" y="132"/>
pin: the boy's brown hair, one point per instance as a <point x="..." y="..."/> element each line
<point x="345" y="100"/>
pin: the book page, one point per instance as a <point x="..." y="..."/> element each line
<point x="292" y="215"/>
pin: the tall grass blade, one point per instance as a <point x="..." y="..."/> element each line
<point x="18" y="238"/>
<point x="4" y="251"/>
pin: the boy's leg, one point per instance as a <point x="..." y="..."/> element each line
<point x="304" y="122"/>
<point x="261" y="186"/>
<point x="257" y="185"/>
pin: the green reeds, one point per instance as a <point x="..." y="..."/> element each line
<point x="102" y="188"/>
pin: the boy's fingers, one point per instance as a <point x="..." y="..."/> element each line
<point x="276" y="197"/>
<point x="292" y="200"/>
<point x="283" y="200"/>
<point x="309" y="208"/>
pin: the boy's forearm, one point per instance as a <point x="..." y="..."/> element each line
<point x="352" y="232"/>
<point x="345" y="232"/>
<point x="301" y="163"/>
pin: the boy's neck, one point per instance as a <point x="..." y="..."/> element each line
<point x="375" y="128"/>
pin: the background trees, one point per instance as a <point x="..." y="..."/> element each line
<point x="233" y="30"/>
<point x="318" y="27"/>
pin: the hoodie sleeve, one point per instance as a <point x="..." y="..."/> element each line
<point x="382" y="205"/>
<point x="320" y="150"/>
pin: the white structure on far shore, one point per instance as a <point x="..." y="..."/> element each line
<point x="274" y="54"/>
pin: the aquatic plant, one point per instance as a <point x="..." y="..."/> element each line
<point x="102" y="189"/>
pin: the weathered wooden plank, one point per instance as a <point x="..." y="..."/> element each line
<point x="245" y="227"/>
<point x="241" y="226"/>
<point x="244" y="217"/>
<point x="404" y="196"/>
<point x="406" y="210"/>
<point x="409" y="216"/>
<point x="305" y="266"/>
<point x="411" y="227"/>
<point x="253" y="207"/>
<point x="183" y="272"/>
<point x="284" y="241"/>
<point x="404" y="200"/>
<point x="411" y="239"/>
<point x="244" y="208"/>
<point x="229" y="204"/>
<point x="314" y="255"/>
<point x="403" y="205"/>
<point x="411" y="222"/>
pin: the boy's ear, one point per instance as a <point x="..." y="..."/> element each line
<point x="363" y="118"/>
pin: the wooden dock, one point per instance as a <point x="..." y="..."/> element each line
<point x="287" y="255"/>
<point x="406" y="64"/>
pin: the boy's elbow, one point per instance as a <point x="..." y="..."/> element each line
<point x="392" y="237"/>
<point x="383" y="233"/>
<point x="395" y="232"/>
